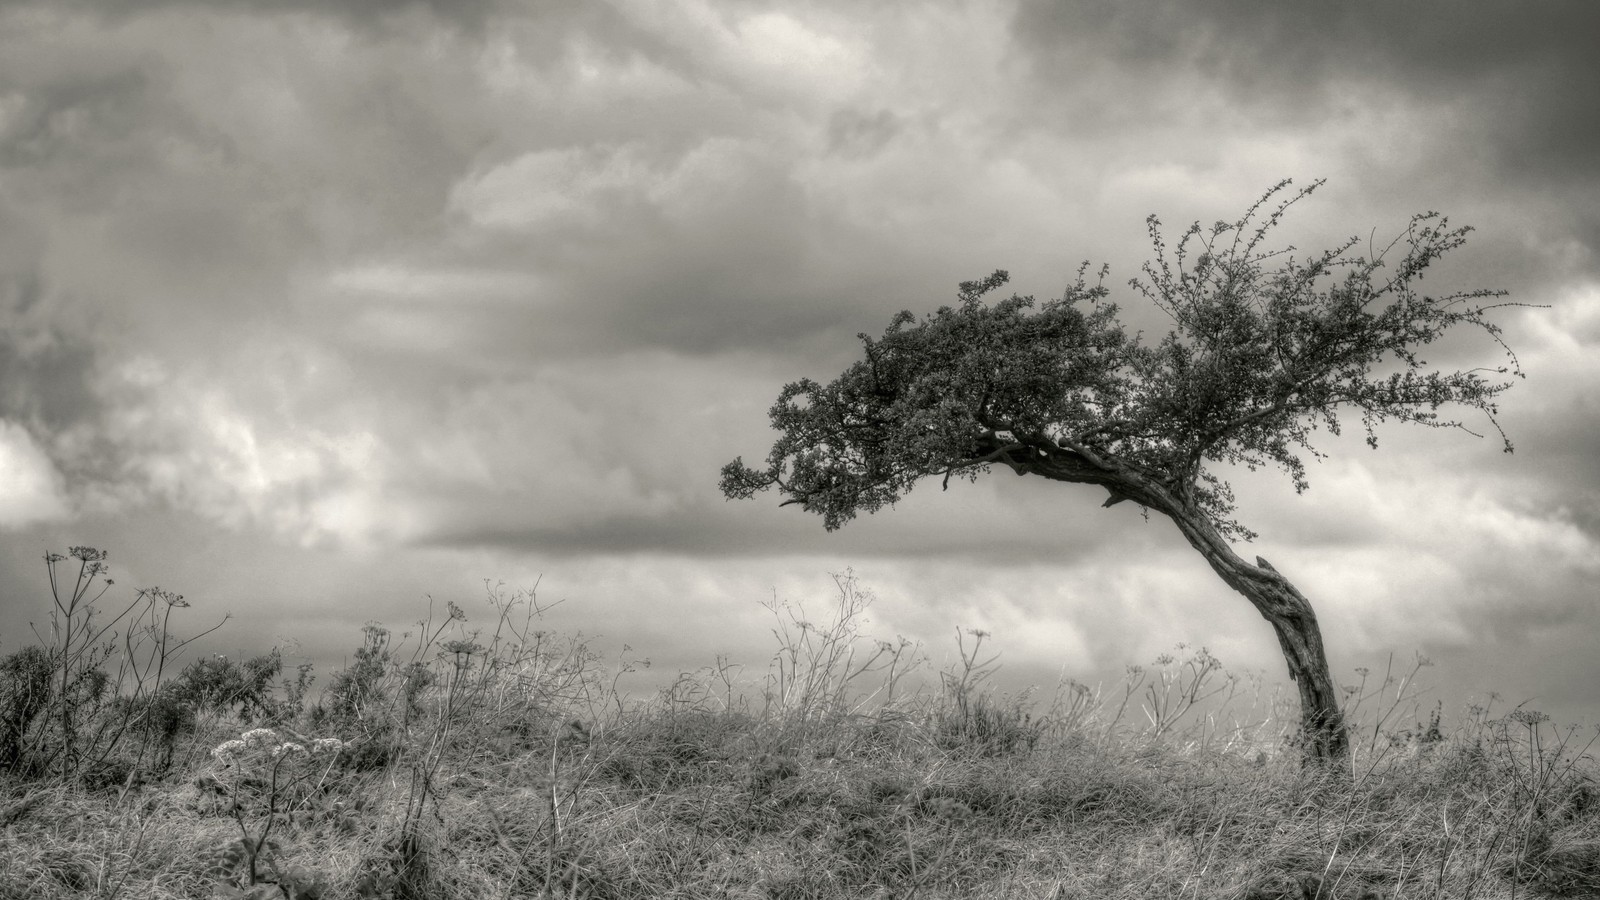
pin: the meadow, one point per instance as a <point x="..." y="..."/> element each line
<point x="487" y="757"/>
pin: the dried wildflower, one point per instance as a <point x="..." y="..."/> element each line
<point x="327" y="745"/>
<point x="93" y="560"/>
<point x="167" y="597"/>
<point x="1529" y="717"/>
<point x="463" y="652"/>
<point x="260" y="737"/>
<point x="462" y="648"/>
<point x="287" y="749"/>
<point x="227" y="750"/>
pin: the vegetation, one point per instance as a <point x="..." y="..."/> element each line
<point x="1265" y="349"/>
<point x="515" y="767"/>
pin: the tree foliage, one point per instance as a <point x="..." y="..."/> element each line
<point x="1265" y="349"/>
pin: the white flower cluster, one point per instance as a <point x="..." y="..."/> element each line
<point x="266" y="738"/>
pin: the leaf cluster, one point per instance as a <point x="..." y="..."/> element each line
<point x="932" y="396"/>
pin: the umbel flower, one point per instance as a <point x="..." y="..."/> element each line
<point x="269" y="740"/>
<point x="461" y="648"/>
<point x="463" y="651"/>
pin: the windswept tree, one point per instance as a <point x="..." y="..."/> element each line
<point x="1265" y="349"/>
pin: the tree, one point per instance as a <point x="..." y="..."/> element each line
<point x="1264" y="350"/>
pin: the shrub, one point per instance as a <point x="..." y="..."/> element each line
<point x="217" y="684"/>
<point x="354" y="689"/>
<point x="24" y="694"/>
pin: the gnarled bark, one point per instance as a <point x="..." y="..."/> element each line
<point x="1326" y="739"/>
<point x="1288" y="611"/>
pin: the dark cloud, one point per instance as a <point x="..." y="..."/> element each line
<point x="46" y="384"/>
<point x="73" y="132"/>
<point x="1559" y="474"/>
<point x="1287" y="50"/>
<point x="45" y="364"/>
<point x="1503" y="92"/>
<point x="61" y="120"/>
<point x="471" y="13"/>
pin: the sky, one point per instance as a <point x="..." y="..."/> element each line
<point x="313" y="312"/>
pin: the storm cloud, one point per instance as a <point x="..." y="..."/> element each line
<point x="492" y="289"/>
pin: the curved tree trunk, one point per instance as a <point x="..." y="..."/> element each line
<point x="1326" y="739"/>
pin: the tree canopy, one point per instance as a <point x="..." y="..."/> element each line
<point x="1265" y="349"/>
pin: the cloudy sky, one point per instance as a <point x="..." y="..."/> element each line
<point x="312" y="315"/>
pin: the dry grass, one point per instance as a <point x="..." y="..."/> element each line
<point x="517" y="771"/>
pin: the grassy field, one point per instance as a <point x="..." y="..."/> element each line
<point x="495" y="760"/>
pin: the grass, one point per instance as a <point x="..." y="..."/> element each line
<point x="502" y="762"/>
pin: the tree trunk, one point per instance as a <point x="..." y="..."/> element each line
<point x="1325" y="738"/>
